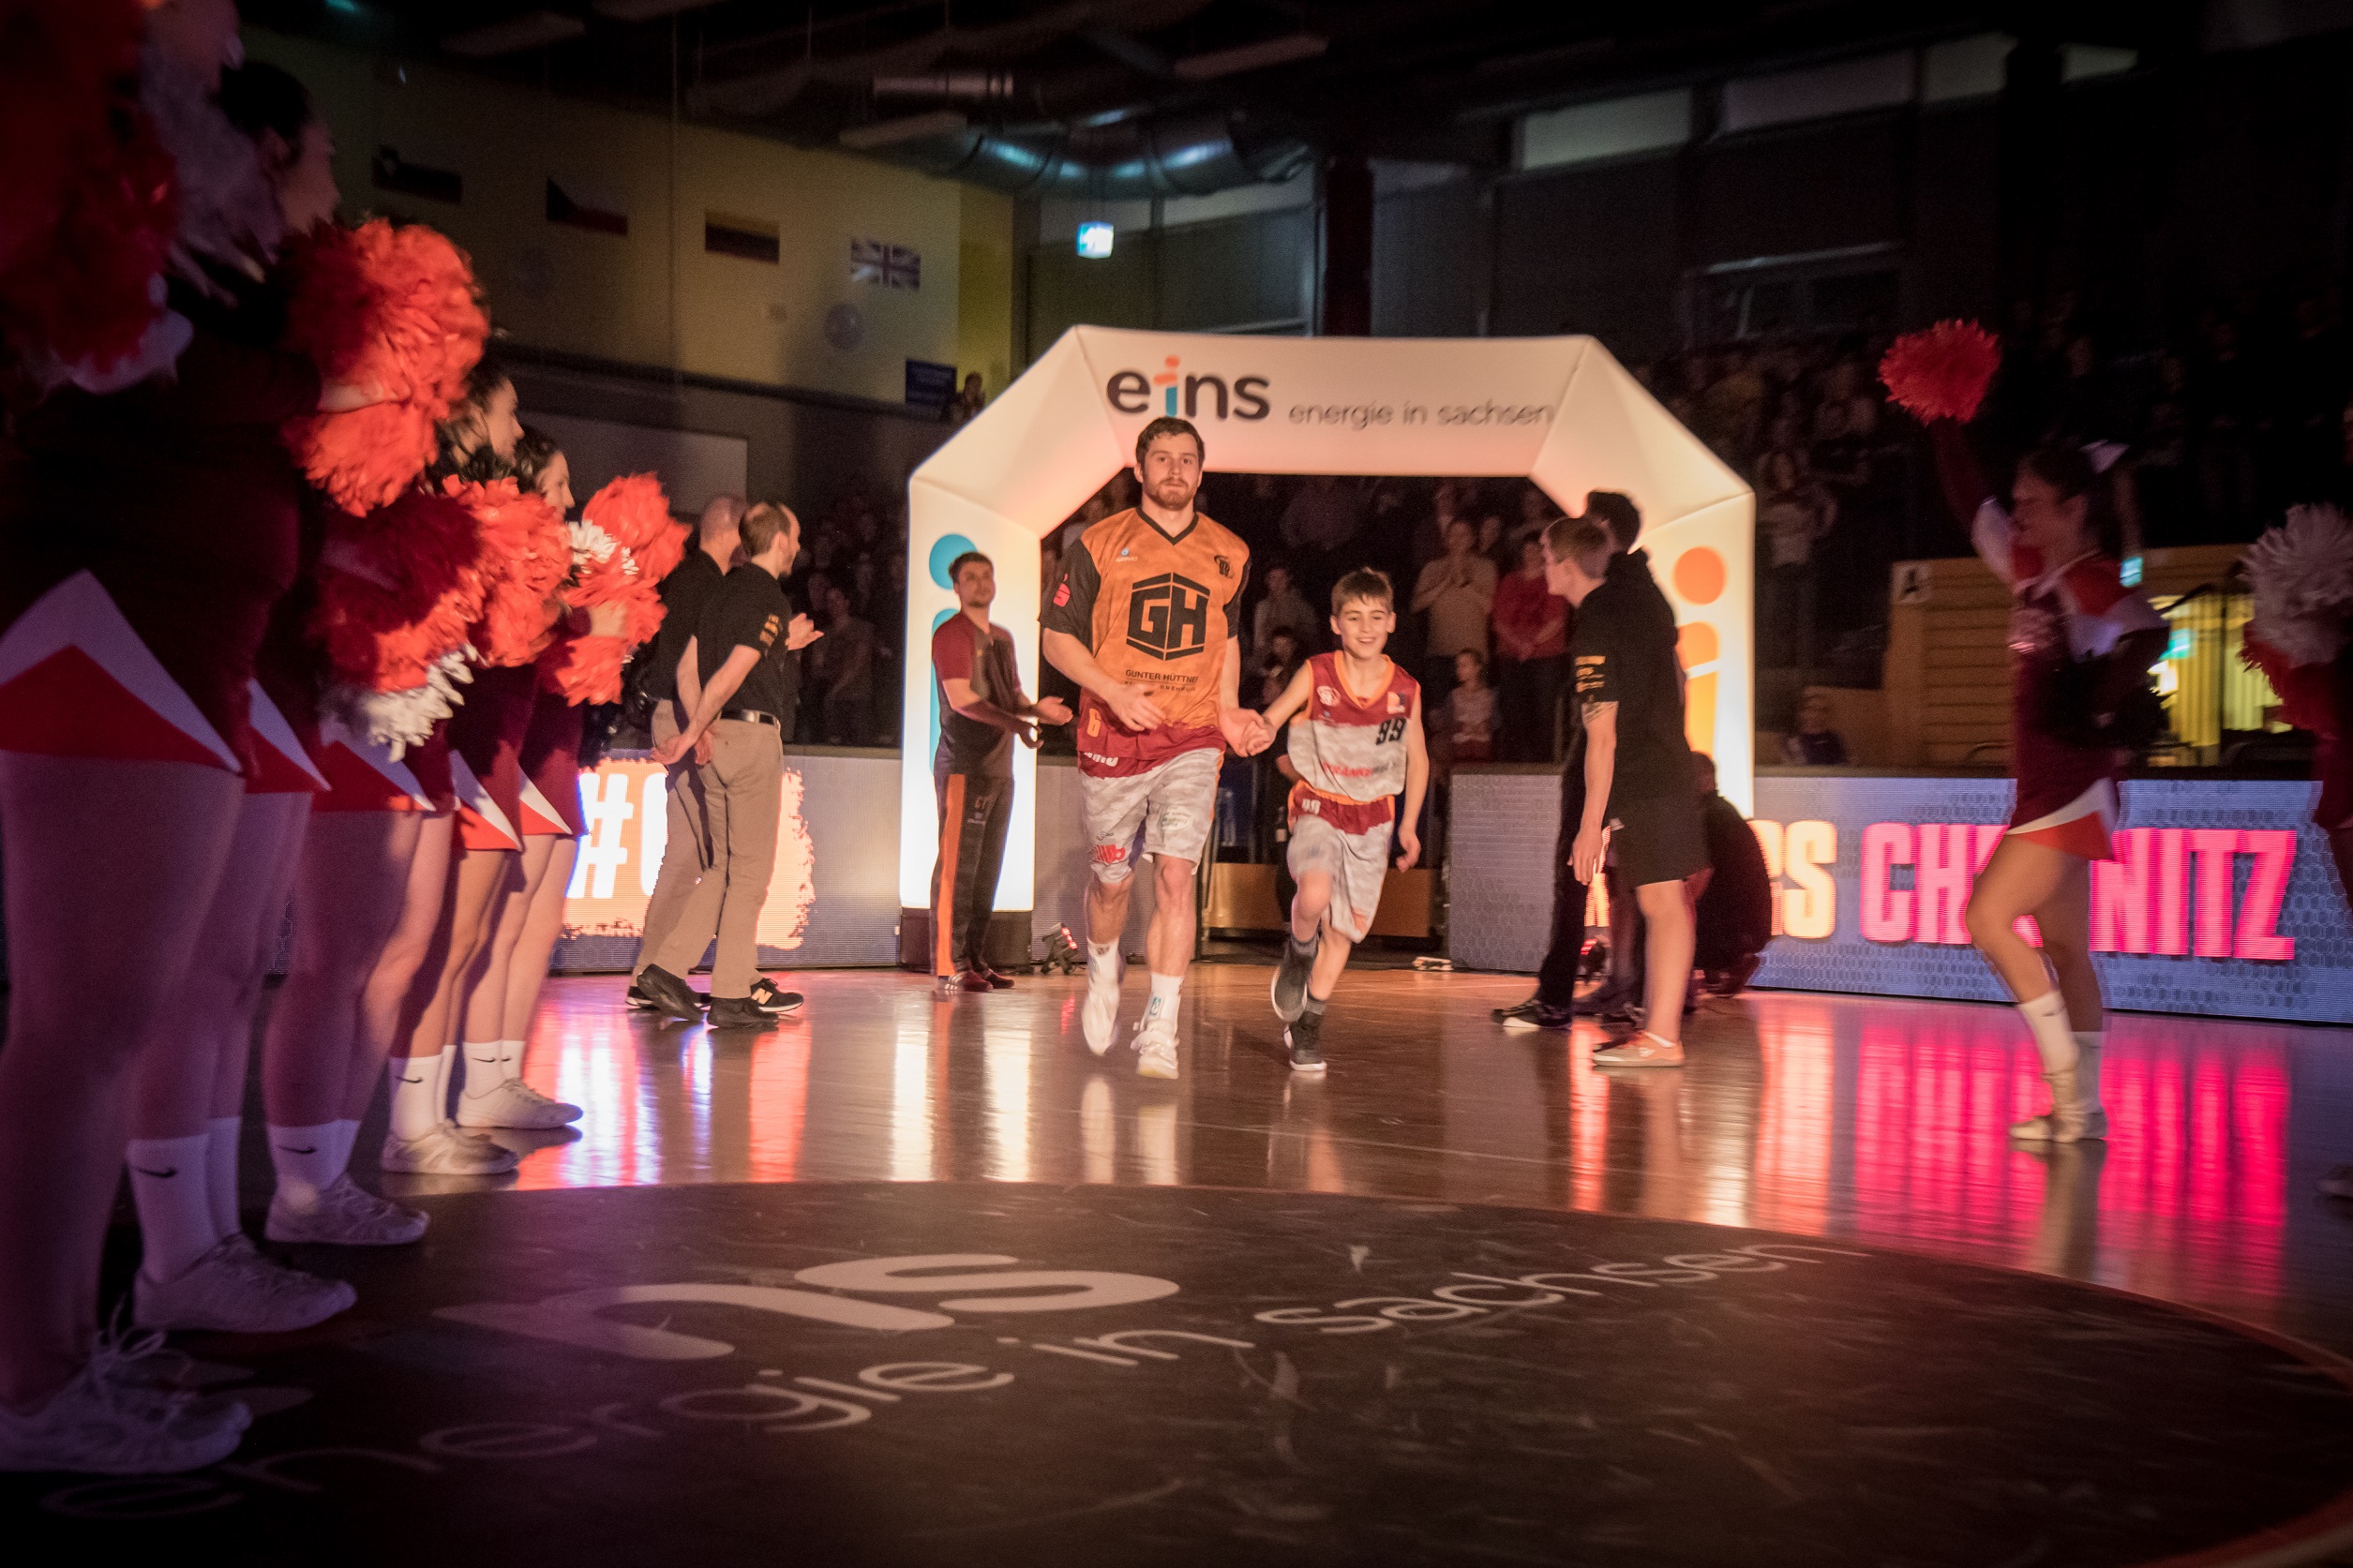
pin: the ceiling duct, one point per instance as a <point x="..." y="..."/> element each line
<point x="1196" y="154"/>
<point x="971" y="86"/>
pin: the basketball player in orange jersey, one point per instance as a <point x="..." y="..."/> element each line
<point x="1357" y="744"/>
<point x="1144" y="620"/>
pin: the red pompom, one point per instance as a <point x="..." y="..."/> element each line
<point x="398" y="588"/>
<point x="1942" y="373"/>
<point x="584" y="669"/>
<point x="393" y="308"/>
<point x="87" y="204"/>
<point x="64" y="65"/>
<point x="526" y="551"/>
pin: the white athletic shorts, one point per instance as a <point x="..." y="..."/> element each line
<point x="1173" y="803"/>
<point x="1357" y="863"/>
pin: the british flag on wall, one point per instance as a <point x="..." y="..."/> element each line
<point x="890" y="266"/>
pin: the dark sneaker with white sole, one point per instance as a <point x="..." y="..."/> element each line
<point x="769" y="998"/>
<point x="1291" y="976"/>
<point x="639" y="1001"/>
<point x="671" y="994"/>
<point x="1304" y="1037"/>
<point x="739" y="1012"/>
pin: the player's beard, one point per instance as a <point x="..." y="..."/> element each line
<point x="1172" y="495"/>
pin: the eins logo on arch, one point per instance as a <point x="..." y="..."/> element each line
<point x="1131" y="392"/>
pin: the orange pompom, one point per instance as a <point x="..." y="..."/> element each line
<point x="395" y="308"/>
<point x="526" y="552"/>
<point x="584" y="669"/>
<point x="1942" y="372"/>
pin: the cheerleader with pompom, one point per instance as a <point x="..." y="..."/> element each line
<point x="2301" y="636"/>
<point x="623" y="544"/>
<point x="148" y="522"/>
<point x="2081" y="644"/>
<point x="527" y="551"/>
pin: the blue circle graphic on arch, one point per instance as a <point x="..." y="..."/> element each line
<point x="948" y="549"/>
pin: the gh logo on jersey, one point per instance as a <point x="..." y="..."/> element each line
<point x="1168" y="616"/>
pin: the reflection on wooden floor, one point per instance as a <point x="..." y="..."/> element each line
<point x="1863" y="1118"/>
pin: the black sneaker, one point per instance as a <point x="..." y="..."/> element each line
<point x="737" y="1013"/>
<point x="1304" y="1037"/>
<point x="1523" y="1012"/>
<point x="669" y="994"/>
<point x="1290" y="986"/>
<point x="1604" y="1000"/>
<point x="639" y="1001"/>
<point x="1536" y="1015"/>
<point x="769" y="999"/>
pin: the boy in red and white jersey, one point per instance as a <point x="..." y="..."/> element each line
<point x="1357" y="745"/>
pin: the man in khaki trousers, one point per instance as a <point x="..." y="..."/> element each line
<point x="739" y="686"/>
<point x="684" y="593"/>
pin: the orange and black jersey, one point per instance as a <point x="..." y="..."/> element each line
<point x="1157" y="612"/>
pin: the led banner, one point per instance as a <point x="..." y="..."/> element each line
<point x="2221" y="899"/>
<point x="1559" y="411"/>
<point x="831" y="899"/>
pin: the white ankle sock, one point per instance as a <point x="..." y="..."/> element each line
<point x="2046" y="1020"/>
<point x="307" y="1159"/>
<point x="419" y="1094"/>
<point x="510" y="1060"/>
<point x="167" y="1183"/>
<point x="2088" y="1066"/>
<point x="1165" y="989"/>
<point x="1104" y="956"/>
<point x="483" y="1070"/>
<point x="220" y="1169"/>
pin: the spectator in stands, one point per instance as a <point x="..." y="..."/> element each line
<point x="1537" y="513"/>
<point x="1793" y="511"/>
<point x="1470" y="708"/>
<point x="1491" y="542"/>
<point x="1322" y="519"/>
<point x="1530" y="625"/>
<point x="1815" y="745"/>
<point x="1282" y="608"/>
<point x="842" y="668"/>
<point x="1456" y="591"/>
<point x="1735" y="894"/>
<point x="970" y="401"/>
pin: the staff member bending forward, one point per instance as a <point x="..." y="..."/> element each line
<point x="746" y="698"/>
<point x="1639" y="797"/>
<point x="983" y="708"/>
<point x="1144" y="620"/>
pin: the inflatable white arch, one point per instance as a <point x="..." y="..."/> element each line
<point x="1559" y="411"/>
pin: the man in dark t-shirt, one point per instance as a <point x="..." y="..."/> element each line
<point x="1639" y="793"/>
<point x="684" y="593"/>
<point x="982" y="711"/>
<point x="739" y="682"/>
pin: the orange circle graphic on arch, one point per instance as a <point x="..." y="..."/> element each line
<point x="1697" y="641"/>
<point x="1699" y="575"/>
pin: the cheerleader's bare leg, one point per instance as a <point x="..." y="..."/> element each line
<point x="423" y="1140"/>
<point x="2057" y="989"/>
<point x="197" y="1269"/>
<point x="498" y="1012"/>
<point x="350" y="891"/>
<point x="110" y="867"/>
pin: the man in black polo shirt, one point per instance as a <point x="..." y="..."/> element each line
<point x="684" y="593"/>
<point x="1639" y="797"/>
<point x="739" y="679"/>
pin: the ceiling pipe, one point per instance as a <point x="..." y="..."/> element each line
<point x="978" y="87"/>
